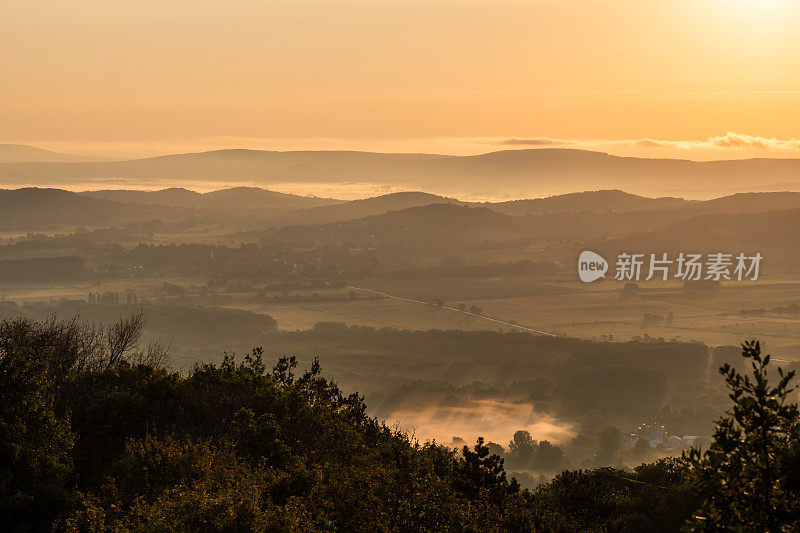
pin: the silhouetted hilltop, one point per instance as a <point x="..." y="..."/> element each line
<point x="751" y="202"/>
<point x="363" y="207"/>
<point x="256" y="198"/>
<point x="172" y="197"/>
<point x="233" y="198"/>
<point x="589" y="201"/>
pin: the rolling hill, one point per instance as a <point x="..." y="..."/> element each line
<point x="751" y="202"/>
<point x="619" y="220"/>
<point x="33" y="209"/>
<point x="438" y="226"/>
<point x="364" y="207"/>
<point x="772" y="233"/>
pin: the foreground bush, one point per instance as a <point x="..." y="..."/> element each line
<point x="97" y="435"/>
<point x="96" y="438"/>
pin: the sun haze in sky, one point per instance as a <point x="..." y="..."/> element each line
<point x="684" y="78"/>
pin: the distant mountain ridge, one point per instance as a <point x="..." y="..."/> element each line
<point x="528" y="172"/>
<point x="22" y="153"/>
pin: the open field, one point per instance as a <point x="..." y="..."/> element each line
<point x="567" y="308"/>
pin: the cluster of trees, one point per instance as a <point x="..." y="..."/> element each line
<point x="525" y="453"/>
<point x="96" y="434"/>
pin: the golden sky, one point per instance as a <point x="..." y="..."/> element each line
<point x="715" y="78"/>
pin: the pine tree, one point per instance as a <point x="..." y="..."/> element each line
<point x="745" y="472"/>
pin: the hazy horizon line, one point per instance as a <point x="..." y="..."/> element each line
<point x="731" y="146"/>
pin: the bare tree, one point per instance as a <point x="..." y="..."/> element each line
<point x="155" y="354"/>
<point x="74" y="346"/>
<point x="123" y="336"/>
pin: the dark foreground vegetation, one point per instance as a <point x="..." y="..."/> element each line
<point x="96" y="434"/>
